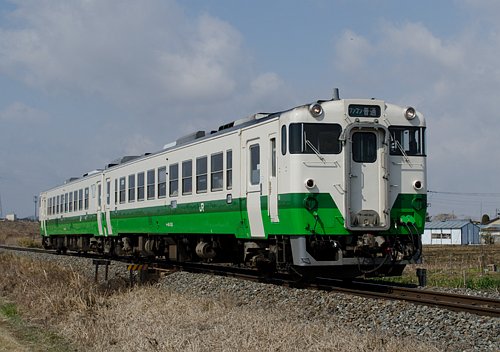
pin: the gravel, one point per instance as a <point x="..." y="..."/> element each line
<point x="447" y="330"/>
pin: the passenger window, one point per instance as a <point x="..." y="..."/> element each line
<point x="140" y="186"/>
<point x="70" y="204"/>
<point x="229" y="168"/>
<point x="162" y="182"/>
<point x="86" y="198"/>
<point x="283" y="140"/>
<point x="122" y="190"/>
<point x="364" y="147"/>
<point x="201" y="175"/>
<point x="217" y="174"/>
<point x="254" y="164"/>
<point x="108" y="192"/>
<point x="80" y="199"/>
<point x="151" y="184"/>
<point x="174" y="180"/>
<point x="75" y="200"/>
<point x="273" y="157"/>
<point x="131" y="188"/>
<point x="187" y="177"/>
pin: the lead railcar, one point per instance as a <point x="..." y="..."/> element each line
<point x="336" y="187"/>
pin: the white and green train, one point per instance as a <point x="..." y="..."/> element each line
<point x="336" y="187"/>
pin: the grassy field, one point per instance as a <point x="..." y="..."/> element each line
<point x="47" y="307"/>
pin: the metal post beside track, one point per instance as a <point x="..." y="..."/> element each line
<point x="98" y="262"/>
<point x="141" y="269"/>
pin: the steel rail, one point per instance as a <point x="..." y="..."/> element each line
<point x="369" y="289"/>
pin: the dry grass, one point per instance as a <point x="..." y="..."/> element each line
<point x="151" y="318"/>
<point x="20" y="233"/>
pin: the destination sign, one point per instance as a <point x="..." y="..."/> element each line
<point x="357" y="110"/>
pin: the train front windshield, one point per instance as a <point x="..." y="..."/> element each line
<point x="407" y="140"/>
<point x="311" y="138"/>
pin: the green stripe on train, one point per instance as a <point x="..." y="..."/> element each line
<point x="219" y="217"/>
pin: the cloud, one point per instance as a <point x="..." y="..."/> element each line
<point x="126" y="52"/>
<point x="455" y="82"/>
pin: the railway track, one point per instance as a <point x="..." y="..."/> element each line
<point x="460" y="303"/>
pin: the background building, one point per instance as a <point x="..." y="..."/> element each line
<point x="451" y="232"/>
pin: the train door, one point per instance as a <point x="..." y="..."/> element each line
<point x="252" y="174"/>
<point x="99" y="208"/>
<point x="367" y="179"/>
<point x="272" y="204"/>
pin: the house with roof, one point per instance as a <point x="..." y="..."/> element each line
<point x="490" y="232"/>
<point x="458" y="232"/>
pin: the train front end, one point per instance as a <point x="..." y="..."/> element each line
<point x="363" y="166"/>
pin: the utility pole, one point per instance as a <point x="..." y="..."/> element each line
<point x="1" y="212"/>
<point x="35" y="200"/>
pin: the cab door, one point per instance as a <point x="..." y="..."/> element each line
<point x="367" y="179"/>
<point x="252" y="172"/>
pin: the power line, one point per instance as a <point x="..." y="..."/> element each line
<point x="472" y="194"/>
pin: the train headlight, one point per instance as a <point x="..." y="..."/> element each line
<point x="316" y="110"/>
<point x="418" y="185"/>
<point x="310" y="183"/>
<point x="410" y="113"/>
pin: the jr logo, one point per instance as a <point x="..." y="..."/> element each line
<point x="202" y="207"/>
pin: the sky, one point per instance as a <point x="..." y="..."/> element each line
<point x="84" y="82"/>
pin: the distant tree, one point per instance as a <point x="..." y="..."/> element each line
<point x="485" y="219"/>
<point x="444" y="217"/>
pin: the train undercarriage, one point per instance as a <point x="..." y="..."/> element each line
<point x="363" y="255"/>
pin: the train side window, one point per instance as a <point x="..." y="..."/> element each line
<point x="151" y="184"/>
<point x="364" y="147"/>
<point x="116" y="191"/>
<point x="66" y="202"/>
<point x="131" y="188"/>
<point x="173" y="185"/>
<point x="273" y="157"/>
<point x="283" y="140"/>
<point x="122" y="190"/>
<point x="217" y="173"/>
<point x="53" y="205"/>
<point x="229" y="169"/>
<point x="57" y="206"/>
<point x="75" y="200"/>
<point x="108" y="192"/>
<point x="70" y="202"/>
<point x="162" y="182"/>
<point x="140" y="186"/>
<point x="49" y="206"/>
<point x="254" y="164"/>
<point x="99" y="193"/>
<point x="80" y="199"/>
<point x="187" y="177"/>
<point x="201" y="175"/>
<point x="86" y="198"/>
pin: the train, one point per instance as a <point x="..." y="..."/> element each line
<point x="333" y="188"/>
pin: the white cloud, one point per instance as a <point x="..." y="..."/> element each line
<point x="125" y="51"/>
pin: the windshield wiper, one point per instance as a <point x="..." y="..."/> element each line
<point x="313" y="148"/>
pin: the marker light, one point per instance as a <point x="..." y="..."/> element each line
<point x="410" y="113"/>
<point x="418" y="185"/>
<point x="310" y="183"/>
<point x="316" y="110"/>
